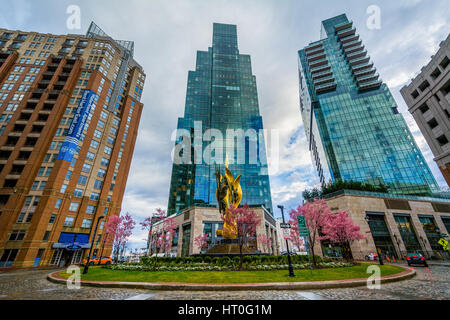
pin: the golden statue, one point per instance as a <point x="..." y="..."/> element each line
<point x="228" y="193"/>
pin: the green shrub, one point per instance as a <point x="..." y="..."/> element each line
<point x="236" y="260"/>
<point x="197" y="259"/>
<point x="145" y="260"/>
<point x="247" y="259"/>
<point x="216" y="261"/>
<point x="225" y="261"/>
<point x="207" y="259"/>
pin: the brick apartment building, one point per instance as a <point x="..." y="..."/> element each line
<point x="59" y="175"/>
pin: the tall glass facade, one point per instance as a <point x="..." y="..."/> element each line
<point x="221" y="94"/>
<point x="351" y="121"/>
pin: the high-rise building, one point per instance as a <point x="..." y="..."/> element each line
<point x="221" y="95"/>
<point x="351" y="120"/>
<point x="69" y="114"/>
<point x="428" y="100"/>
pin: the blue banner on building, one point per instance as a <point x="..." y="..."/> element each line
<point x="70" y="144"/>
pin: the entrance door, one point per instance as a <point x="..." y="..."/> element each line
<point x="186" y="240"/>
<point x="76" y="258"/>
<point x="408" y="234"/>
<point x="381" y="236"/>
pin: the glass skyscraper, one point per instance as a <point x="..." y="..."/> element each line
<point x="221" y="94"/>
<point x="351" y="121"/>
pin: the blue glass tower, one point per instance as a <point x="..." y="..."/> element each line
<point x="221" y="94"/>
<point x="351" y="121"/>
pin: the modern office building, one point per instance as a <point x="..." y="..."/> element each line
<point x="428" y="100"/>
<point x="351" y="121"/>
<point x="221" y="95"/>
<point x="69" y="114"/>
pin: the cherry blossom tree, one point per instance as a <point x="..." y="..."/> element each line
<point x="119" y="229"/>
<point x="316" y="215"/>
<point x="341" y="230"/>
<point x="201" y="241"/>
<point x="148" y="223"/>
<point x="166" y="233"/>
<point x="246" y="221"/>
<point x="265" y="241"/>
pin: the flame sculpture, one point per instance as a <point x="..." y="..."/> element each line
<point x="228" y="193"/>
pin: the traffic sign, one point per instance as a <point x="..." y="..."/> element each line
<point x="285" y="225"/>
<point x="302" y="228"/>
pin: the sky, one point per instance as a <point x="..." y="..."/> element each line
<point x="168" y="33"/>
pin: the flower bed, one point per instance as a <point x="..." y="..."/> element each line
<point x="209" y="267"/>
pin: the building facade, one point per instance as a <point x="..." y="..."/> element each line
<point x="394" y="224"/>
<point x="69" y="114"/>
<point x="351" y="121"/>
<point x="199" y="220"/>
<point x="428" y="100"/>
<point x="221" y="108"/>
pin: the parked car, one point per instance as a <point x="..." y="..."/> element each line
<point x="95" y="261"/>
<point x="416" y="258"/>
<point x="372" y="256"/>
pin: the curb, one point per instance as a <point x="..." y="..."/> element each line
<point x="406" y="274"/>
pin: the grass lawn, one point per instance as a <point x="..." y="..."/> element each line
<point x="358" y="271"/>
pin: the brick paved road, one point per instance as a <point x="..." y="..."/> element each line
<point x="430" y="283"/>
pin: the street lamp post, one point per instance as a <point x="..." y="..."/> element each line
<point x="291" y="270"/>
<point x="86" y="266"/>
<point x="103" y="245"/>
<point x="379" y="253"/>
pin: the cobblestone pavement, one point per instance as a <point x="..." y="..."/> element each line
<point x="430" y="283"/>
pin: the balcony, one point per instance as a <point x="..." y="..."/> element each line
<point x="316" y="56"/>
<point x="370" y="85"/>
<point x="311" y="47"/>
<point x="364" y="72"/>
<point x="323" y="80"/>
<point x="362" y="66"/>
<point x="358" y="61"/>
<point x="325" y="87"/>
<point x="367" y="78"/>
<point x="352" y="37"/>
<point x="346" y="32"/>
<point x="320" y="68"/>
<point x="352" y="49"/>
<point x="317" y="63"/>
<point x="343" y="26"/>
<point x="313" y="52"/>
<point x="351" y="44"/>
<point x="357" y="54"/>
<point x="322" y="74"/>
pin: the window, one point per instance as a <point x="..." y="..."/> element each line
<point x="442" y="140"/>
<point x="90" y="156"/>
<point x="108" y="150"/>
<point x="73" y="206"/>
<point x="94" y="144"/>
<point x="46" y="235"/>
<point x="436" y="73"/>
<point x="52" y="219"/>
<point x="86" y="223"/>
<point x="100" y="124"/>
<point x="444" y="62"/>
<point x="78" y="193"/>
<point x="90" y="209"/>
<point x="101" y="173"/>
<point x="97" y="134"/>
<point x="63" y="188"/>
<point x="69" y="221"/>
<point x="94" y="196"/>
<point x="17" y="235"/>
<point x="424" y="108"/>
<point x="104" y="162"/>
<point x="86" y="168"/>
<point x="415" y="94"/>
<point x="424" y="85"/>
<point x="98" y="184"/>
<point x="58" y="203"/>
<point x="82" y="180"/>
<point x="433" y="123"/>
